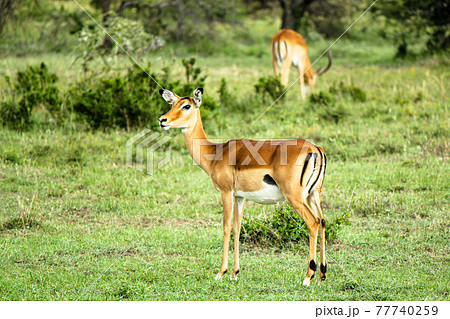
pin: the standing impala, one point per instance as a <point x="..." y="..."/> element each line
<point x="265" y="172"/>
<point x="289" y="47"/>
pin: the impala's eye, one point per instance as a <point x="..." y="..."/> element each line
<point x="186" y="107"/>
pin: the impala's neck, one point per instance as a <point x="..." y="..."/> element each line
<point x="309" y="74"/>
<point x="199" y="146"/>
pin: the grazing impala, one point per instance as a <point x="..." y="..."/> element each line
<point x="289" y="47"/>
<point x="265" y="172"/>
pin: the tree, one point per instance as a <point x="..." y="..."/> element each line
<point x="413" y="18"/>
<point x="6" y="10"/>
<point x="293" y="11"/>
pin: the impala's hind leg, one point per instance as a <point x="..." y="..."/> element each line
<point x="314" y="201"/>
<point x="237" y="219"/>
<point x="307" y="214"/>
<point x="285" y="71"/>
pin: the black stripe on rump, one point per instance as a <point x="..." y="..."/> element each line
<point x="279" y="51"/>
<point x="322" y="162"/>
<point x="314" y="169"/>
<point x="308" y="156"/>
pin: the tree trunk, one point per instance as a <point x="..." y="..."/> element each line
<point x="105" y="6"/>
<point x="293" y="11"/>
<point x="6" y="10"/>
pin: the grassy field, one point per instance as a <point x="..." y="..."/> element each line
<point x="77" y="224"/>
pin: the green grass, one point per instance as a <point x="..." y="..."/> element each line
<point x="77" y="224"/>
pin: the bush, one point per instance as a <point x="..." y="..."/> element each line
<point x="322" y="98"/>
<point x="93" y="43"/>
<point x="286" y="226"/>
<point x="14" y="115"/>
<point x="117" y="101"/>
<point x="132" y="100"/>
<point x="33" y="87"/>
<point x="357" y="94"/>
<point x="270" y="85"/>
<point x="329" y="104"/>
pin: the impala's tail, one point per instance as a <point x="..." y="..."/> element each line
<point x="279" y="51"/>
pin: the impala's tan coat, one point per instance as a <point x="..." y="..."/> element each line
<point x="288" y="47"/>
<point x="262" y="171"/>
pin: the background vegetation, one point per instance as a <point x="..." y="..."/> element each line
<point x="77" y="224"/>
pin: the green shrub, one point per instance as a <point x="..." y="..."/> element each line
<point x="132" y="100"/>
<point x="335" y="113"/>
<point x="94" y="44"/>
<point x="327" y="107"/>
<point x="228" y="100"/>
<point x="269" y="85"/>
<point x="14" y="115"/>
<point x="322" y="98"/>
<point x="356" y="93"/>
<point x="119" y="101"/>
<point x="285" y="226"/>
<point x="33" y="87"/>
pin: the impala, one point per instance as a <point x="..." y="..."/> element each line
<point x="265" y="172"/>
<point x="289" y="47"/>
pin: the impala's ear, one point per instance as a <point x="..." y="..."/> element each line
<point x="168" y="96"/>
<point x="198" y="97"/>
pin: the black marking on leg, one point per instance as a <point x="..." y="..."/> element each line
<point x="323" y="222"/>
<point x="312" y="276"/>
<point x="323" y="269"/>
<point x="237" y="272"/>
<point x="323" y="277"/>
<point x="312" y="265"/>
<point x="225" y="272"/>
<point x="308" y="156"/>
<point x="269" y="180"/>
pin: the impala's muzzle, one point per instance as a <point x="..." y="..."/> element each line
<point x="163" y="123"/>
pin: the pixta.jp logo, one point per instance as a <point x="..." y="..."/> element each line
<point x="149" y="155"/>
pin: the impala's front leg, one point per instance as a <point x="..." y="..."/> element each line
<point x="227" y="199"/>
<point x="237" y="219"/>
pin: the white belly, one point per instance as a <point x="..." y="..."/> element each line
<point x="271" y="194"/>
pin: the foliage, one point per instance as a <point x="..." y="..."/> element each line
<point x="286" y="226"/>
<point x="410" y="19"/>
<point x="356" y="93"/>
<point x="6" y="11"/>
<point x="129" y="34"/>
<point x="132" y="100"/>
<point x="270" y="85"/>
<point x="118" y="101"/>
<point x="327" y="107"/>
<point x="192" y="71"/>
<point x="332" y="17"/>
<point x="33" y="87"/>
<point x="322" y="98"/>
<point x="330" y="105"/>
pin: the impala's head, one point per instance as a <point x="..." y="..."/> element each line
<point x="319" y="72"/>
<point x="183" y="113"/>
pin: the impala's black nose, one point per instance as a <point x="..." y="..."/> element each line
<point x="162" y="121"/>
